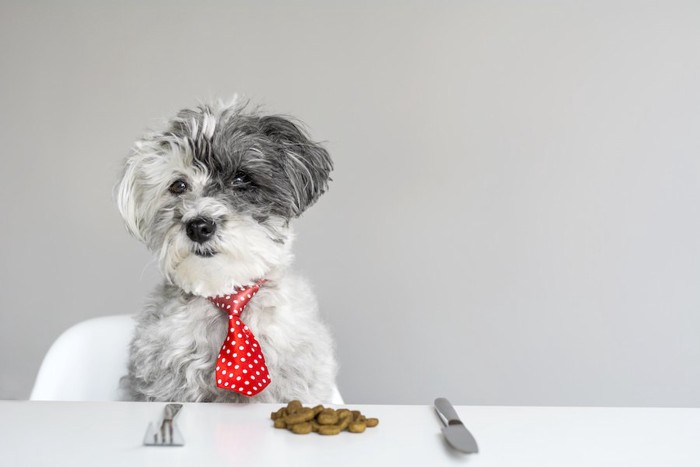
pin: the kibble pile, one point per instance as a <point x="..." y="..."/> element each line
<point x="322" y="420"/>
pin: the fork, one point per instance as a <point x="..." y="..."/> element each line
<point x="168" y="434"/>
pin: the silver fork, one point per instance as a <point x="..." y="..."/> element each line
<point x="167" y="434"/>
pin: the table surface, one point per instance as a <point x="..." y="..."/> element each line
<point x="110" y="433"/>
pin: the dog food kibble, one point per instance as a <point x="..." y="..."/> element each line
<point x="322" y="420"/>
<point x="327" y="417"/>
<point x="303" y="428"/>
<point x="357" y="427"/>
<point x="303" y="415"/>
<point x="280" y="423"/>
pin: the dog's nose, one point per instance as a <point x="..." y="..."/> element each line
<point x="200" y="229"/>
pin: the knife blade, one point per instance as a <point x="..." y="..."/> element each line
<point x="454" y="430"/>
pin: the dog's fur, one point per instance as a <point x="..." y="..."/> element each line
<point x="251" y="175"/>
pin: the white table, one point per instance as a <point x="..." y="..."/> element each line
<point x="110" y="433"/>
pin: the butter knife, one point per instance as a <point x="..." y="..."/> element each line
<point x="454" y="430"/>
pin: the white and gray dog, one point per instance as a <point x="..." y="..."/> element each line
<point x="213" y="196"/>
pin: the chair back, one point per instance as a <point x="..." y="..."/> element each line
<point x="86" y="361"/>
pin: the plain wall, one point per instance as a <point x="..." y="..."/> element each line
<point x="514" y="217"/>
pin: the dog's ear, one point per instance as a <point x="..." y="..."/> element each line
<point x="306" y="164"/>
<point x="129" y="196"/>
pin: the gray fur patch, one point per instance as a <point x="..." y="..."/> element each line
<point x="283" y="171"/>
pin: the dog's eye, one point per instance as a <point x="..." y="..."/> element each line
<point x="241" y="181"/>
<point x="178" y="187"/>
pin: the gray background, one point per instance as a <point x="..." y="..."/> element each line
<point x="515" y="213"/>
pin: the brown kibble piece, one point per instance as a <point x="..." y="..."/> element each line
<point x="357" y="427"/>
<point x="327" y="417"/>
<point x="318" y="409"/>
<point x="345" y="419"/>
<point x="293" y="406"/>
<point x="280" y="423"/>
<point x="301" y="428"/>
<point x="300" y="416"/>
<point x="372" y="422"/>
<point x="329" y="430"/>
<point x="279" y="414"/>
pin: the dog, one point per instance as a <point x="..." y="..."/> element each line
<point x="213" y="196"/>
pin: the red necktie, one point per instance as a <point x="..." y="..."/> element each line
<point x="240" y="365"/>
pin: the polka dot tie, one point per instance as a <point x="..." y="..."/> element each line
<point x="240" y="365"/>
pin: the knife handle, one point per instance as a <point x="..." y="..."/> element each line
<point x="447" y="413"/>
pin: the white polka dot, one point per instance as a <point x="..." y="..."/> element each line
<point x="240" y="348"/>
<point x="238" y="323"/>
<point x="223" y="372"/>
<point x="249" y="393"/>
<point x="239" y="335"/>
<point x="235" y="355"/>
<point x="217" y="368"/>
<point x="254" y="344"/>
<point x="236" y="367"/>
<point x="248" y="354"/>
<point x="229" y="363"/>
<point x="238" y="378"/>
<point x="226" y="383"/>
<point x="223" y="359"/>
<point x="257" y="373"/>
<point x="230" y="316"/>
<point x="264" y="381"/>
<point x="252" y="377"/>
<point x="219" y="381"/>
<point x="228" y="350"/>
<point x="246" y="382"/>
<point x="228" y="307"/>
<point x="232" y="329"/>
<point x="250" y="366"/>
<point x="255" y="360"/>
<point x="243" y="359"/>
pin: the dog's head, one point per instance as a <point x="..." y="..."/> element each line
<point x="213" y="194"/>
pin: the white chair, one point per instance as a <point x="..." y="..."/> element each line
<point x="87" y="361"/>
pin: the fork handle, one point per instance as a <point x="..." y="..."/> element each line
<point x="171" y="410"/>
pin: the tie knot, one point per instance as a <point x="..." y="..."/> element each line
<point x="236" y="301"/>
